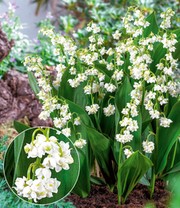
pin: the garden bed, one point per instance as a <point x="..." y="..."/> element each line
<point x="101" y="197"/>
<point x="112" y="90"/>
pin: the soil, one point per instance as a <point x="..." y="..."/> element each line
<point x="101" y="197"/>
<point x="17" y="100"/>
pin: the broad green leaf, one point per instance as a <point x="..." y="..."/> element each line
<point x="79" y="97"/>
<point x="74" y="108"/>
<point x="9" y="166"/>
<point x="173" y="157"/>
<point x="115" y="149"/>
<point x="158" y="53"/>
<point x="126" y="63"/>
<point x="146" y="119"/>
<point x="107" y="123"/>
<point x="20" y="126"/>
<point x="144" y="181"/>
<point x="176" y="54"/>
<point x="65" y="90"/>
<point x="18" y="146"/>
<point x="130" y="173"/>
<point x="102" y="68"/>
<point x="177" y="152"/>
<point x="97" y="181"/>
<point x="136" y="143"/>
<point x="175" y="184"/>
<point x="175" y="169"/>
<point x="166" y="138"/>
<point x="122" y="96"/>
<point x="85" y="154"/>
<point x="116" y="144"/>
<point x="86" y="158"/>
<point x="84" y="176"/>
<point x="75" y="95"/>
<point x="171" y="102"/>
<point x="153" y="27"/>
<point x="101" y="147"/>
<point x="33" y="83"/>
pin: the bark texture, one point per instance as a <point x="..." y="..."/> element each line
<point x="5" y="45"/>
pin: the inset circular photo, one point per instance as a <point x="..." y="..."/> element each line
<point x="41" y="165"/>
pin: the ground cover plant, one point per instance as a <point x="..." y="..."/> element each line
<point x="121" y="98"/>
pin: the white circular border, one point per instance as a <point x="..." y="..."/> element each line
<point x="32" y="202"/>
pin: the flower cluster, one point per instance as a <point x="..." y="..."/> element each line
<point x="80" y="143"/>
<point x="42" y="187"/>
<point x="52" y="104"/>
<point x="140" y="57"/>
<point x="55" y="156"/>
<point x="101" y="70"/>
<point x="58" y="153"/>
<point x="128" y="152"/>
<point x="148" y="146"/>
<point x="166" y="16"/>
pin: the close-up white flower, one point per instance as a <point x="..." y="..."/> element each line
<point x="42" y="173"/>
<point x="36" y="189"/>
<point x="109" y="110"/>
<point x="80" y="143"/>
<point x="92" y="109"/>
<point x="148" y="147"/>
<point x="165" y="122"/>
<point x="125" y="137"/>
<point x="128" y="152"/>
<point x="66" y="132"/>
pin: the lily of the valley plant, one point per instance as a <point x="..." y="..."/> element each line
<point x="121" y="98"/>
<point x="49" y="155"/>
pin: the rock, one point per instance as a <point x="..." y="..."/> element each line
<point x="5" y="45"/>
<point x="17" y="100"/>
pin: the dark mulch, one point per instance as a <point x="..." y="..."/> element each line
<point x="101" y="197"/>
<point x="17" y="100"/>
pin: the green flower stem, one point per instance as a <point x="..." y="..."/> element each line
<point x="153" y="177"/>
<point x="35" y="131"/>
<point x="29" y="171"/>
<point x="60" y="150"/>
<point x="46" y="133"/>
<point x="143" y="94"/>
<point x="119" y="185"/>
<point x="152" y="184"/>
<point x="97" y="123"/>
<point x="111" y="97"/>
<point x="95" y="116"/>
